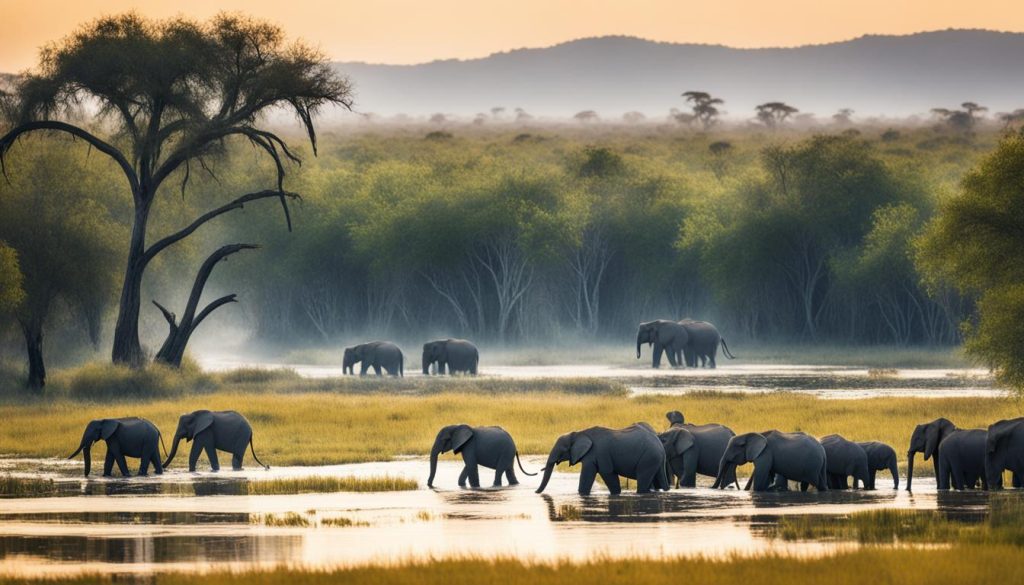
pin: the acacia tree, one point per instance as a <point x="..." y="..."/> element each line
<point x="774" y="114"/>
<point x="704" y="107"/>
<point x="174" y="91"/>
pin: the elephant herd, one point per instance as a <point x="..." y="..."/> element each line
<point x="684" y="342"/>
<point x="657" y="461"/>
<point x="454" y="356"/>
<point x="208" y="431"/>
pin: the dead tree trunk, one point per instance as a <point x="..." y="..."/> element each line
<point x="173" y="348"/>
<point x="33" y="330"/>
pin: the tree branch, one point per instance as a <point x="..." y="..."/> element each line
<point x="213" y="306"/>
<point x="239" y="203"/>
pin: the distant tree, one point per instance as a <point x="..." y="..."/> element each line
<point x="718" y="163"/>
<point x="586" y="116"/>
<point x="682" y="118"/>
<point x="480" y="119"/>
<point x="962" y="120"/>
<point x="975" y="244"/>
<point x="704" y="107"/>
<point x="174" y="91"/>
<point x="601" y="162"/>
<point x="1013" y="118"/>
<point x="522" y="115"/>
<point x="774" y="114"/>
<point x="633" y="117"/>
<point x="891" y="135"/>
<point x="438" y="118"/>
<point x="843" y="117"/>
<point x="497" y="111"/>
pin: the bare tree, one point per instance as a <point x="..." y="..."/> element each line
<point x="588" y="263"/>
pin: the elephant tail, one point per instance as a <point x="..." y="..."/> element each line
<point x="521" y="466"/>
<point x="725" y="350"/>
<point x="252" y="450"/>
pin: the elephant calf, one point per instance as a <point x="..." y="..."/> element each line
<point x="125" y="437"/>
<point x="777" y="457"/>
<point x="634" y="452"/>
<point x="692" y="449"/>
<point x="845" y="459"/>
<point x="211" y="431"/>
<point x="489" y="447"/>
<point x="881" y="456"/>
<point x="376" y="355"/>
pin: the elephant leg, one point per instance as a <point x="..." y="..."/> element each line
<point x="804" y="485"/>
<point x="689" y="478"/>
<point x="510" y="475"/>
<point x="611" y="481"/>
<point x="211" y="452"/>
<point x="236" y="461"/>
<point x="781" y="483"/>
<point x="158" y="467"/>
<point x="193" y="455"/>
<point x="472" y="469"/>
<point x="832" y="481"/>
<point x="587" y="476"/>
<point x="376" y="369"/>
<point x="108" y="464"/>
<point x="1016" y="480"/>
<point x="363" y="367"/>
<point x="761" y="479"/>
<point x="656" y="356"/>
<point x="711" y="362"/>
<point x="122" y="465"/>
<point x="671" y="354"/>
<point x="462" y="476"/>
<point x="144" y="463"/>
<point x="497" y="477"/>
<point x="871" y="479"/>
<point x="443" y="367"/>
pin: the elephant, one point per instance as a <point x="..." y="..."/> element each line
<point x="776" y="456"/>
<point x="490" y="447"/>
<point x="845" y="459"/>
<point x="125" y="437"/>
<point x="665" y="336"/>
<point x="926" y="439"/>
<point x="213" y="431"/>
<point x="634" y="452"/>
<point x="458" y="355"/>
<point x="962" y="459"/>
<point x="703" y="343"/>
<point x="692" y="449"/>
<point x="881" y="456"/>
<point x="1004" y="449"/>
<point x="376" y="354"/>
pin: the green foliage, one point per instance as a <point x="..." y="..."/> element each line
<point x="99" y="381"/>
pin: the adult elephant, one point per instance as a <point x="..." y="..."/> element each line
<point x="1004" y="450"/>
<point x="962" y="460"/>
<point x="455" y="355"/>
<point x="691" y="449"/>
<point x="790" y="456"/>
<point x="926" y="439"/>
<point x="376" y="355"/>
<point x="703" y="343"/>
<point x="881" y="456"/>
<point x="665" y="337"/>
<point x="845" y="459"/>
<point x="490" y="447"/>
<point x="634" y="452"/>
<point x="125" y="437"/>
<point x="213" y="431"/>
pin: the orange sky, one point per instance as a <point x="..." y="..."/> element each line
<point x="413" y="31"/>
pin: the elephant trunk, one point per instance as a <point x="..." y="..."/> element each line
<point x="723" y="471"/>
<point x="85" y="447"/>
<point x="174" y="449"/>
<point x="426" y="364"/>
<point x="638" y="343"/>
<point x="910" y="468"/>
<point x="550" y="467"/>
<point x="434" y="452"/>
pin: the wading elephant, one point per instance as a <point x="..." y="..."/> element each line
<point x="213" y="431"/>
<point x="926" y="439"/>
<point x="634" y="452"/>
<point x="455" y="355"/>
<point x="791" y="456"/>
<point x="845" y="459"/>
<point x="125" y="437"/>
<point x="703" y="343"/>
<point x="665" y="336"/>
<point x="1004" y="449"/>
<point x="692" y="449"/>
<point x="376" y="355"/>
<point x="881" y="456"/>
<point x="490" y="447"/>
<point x="962" y="460"/>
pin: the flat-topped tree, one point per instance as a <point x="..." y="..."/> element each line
<point x="172" y="92"/>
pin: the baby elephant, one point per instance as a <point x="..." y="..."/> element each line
<point x="376" y="355"/>
<point x="125" y="437"/>
<point x="209" y="431"/>
<point x="881" y="456"/>
<point x="490" y="447"/>
<point x="845" y="459"/>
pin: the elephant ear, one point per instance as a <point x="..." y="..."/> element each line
<point x="932" y="437"/>
<point x="460" y="437"/>
<point x="683" y="441"/>
<point x="999" y="431"/>
<point x="756" y="445"/>
<point x="202" y="422"/>
<point x="675" y="417"/>
<point x="108" y="428"/>
<point x="580" y="447"/>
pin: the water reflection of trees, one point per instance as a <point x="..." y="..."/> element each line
<point x="243" y="548"/>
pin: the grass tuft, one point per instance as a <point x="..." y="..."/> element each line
<point x="287" y="520"/>
<point x="318" y="484"/>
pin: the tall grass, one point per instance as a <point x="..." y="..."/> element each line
<point x="327" y="484"/>
<point x="321" y="428"/>
<point x="962" y="564"/>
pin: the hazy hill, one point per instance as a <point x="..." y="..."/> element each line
<point x="875" y="75"/>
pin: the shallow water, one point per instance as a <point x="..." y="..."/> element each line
<point x="823" y="381"/>
<point x="142" y="525"/>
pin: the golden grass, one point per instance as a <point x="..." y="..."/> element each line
<point x="286" y="520"/>
<point x="319" y="484"/>
<point x="961" y="565"/>
<point x="321" y="428"/>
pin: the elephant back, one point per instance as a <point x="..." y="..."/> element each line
<point x="232" y="431"/>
